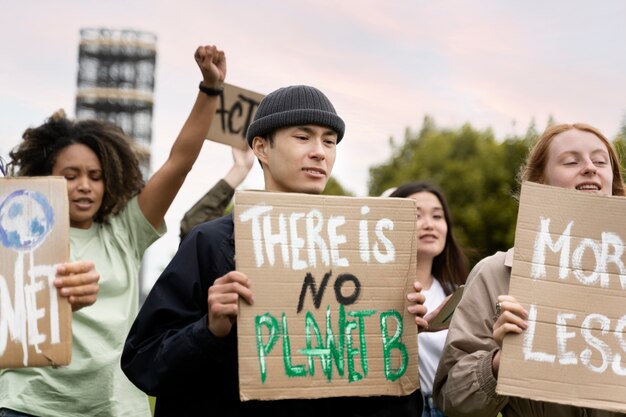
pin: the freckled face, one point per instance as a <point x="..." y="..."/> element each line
<point x="579" y="160"/>
<point x="432" y="228"/>
<point x="85" y="185"/>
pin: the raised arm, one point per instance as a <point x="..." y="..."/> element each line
<point x="242" y="164"/>
<point x="158" y="194"/>
<point x="213" y="204"/>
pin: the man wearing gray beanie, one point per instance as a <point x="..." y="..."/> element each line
<point x="182" y="347"/>
<point x="293" y="106"/>
<point x="294" y="135"/>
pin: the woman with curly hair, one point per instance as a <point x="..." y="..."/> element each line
<point x="114" y="217"/>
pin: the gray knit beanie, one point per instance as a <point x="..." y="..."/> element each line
<point x="292" y="106"/>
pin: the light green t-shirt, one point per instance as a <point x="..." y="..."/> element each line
<point x="93" y="384"/>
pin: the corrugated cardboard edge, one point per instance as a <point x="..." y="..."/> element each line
<point x="61" y="355"/>
<point x="410" y="383"/>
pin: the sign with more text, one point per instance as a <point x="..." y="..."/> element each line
<point x="569" y="273"/>
<point x="330" y="277"/>
<point x="35" y="321"/>
<point x="235" y="111"/>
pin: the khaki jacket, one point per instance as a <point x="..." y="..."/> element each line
<point x="464" y="385"/>
<point x="211" y="206"/>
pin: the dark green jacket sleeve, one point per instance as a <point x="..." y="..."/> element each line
<point x="209" y="207"/>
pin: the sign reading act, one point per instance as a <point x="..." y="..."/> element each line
<point x="330" y="277"/>
<point x="235" y="111"/>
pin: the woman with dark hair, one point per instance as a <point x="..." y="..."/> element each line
<point x="113" y="220"/>
<point x="441" y="268"/>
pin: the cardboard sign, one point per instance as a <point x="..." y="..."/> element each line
<point x="234" y="114"/>
<point x="35" y="321"/>
<point x="330" y="277"/>
<point x="444" y="317"/>
<point x="569" y="273"/>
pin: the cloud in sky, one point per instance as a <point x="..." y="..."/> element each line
<point x="385" y="65"/>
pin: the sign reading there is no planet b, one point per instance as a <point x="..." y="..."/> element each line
<point x="330" y="277"/>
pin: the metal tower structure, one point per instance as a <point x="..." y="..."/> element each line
<point x="116" y="82"/>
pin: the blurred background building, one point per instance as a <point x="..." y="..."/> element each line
<point x="116" y="83"/>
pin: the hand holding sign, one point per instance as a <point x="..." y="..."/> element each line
<point x="223" y="301"/>
<point x="417" y="307"/>
<point x="242" y="164"/>
<point x="511" y="318"/>
<point x="78" y="281"/>
<point x="440" y="318"/>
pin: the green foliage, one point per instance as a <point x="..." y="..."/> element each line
<point x="622" y="130"/>
<point x="620" y="147"/>
<point x="333" y="187"/>
<point x="476" y="172"/>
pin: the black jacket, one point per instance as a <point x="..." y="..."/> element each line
<point x="171" y="354"/>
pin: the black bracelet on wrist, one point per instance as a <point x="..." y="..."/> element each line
<point x="210" y="91"/>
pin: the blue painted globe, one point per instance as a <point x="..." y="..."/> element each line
<point x="26" y="218"/>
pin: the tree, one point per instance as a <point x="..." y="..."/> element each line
<point x="620" y="145"/>
<point x="476" y="172"/>
<point x="333" y="187"/>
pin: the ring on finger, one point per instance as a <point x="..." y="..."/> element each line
<point x="498" y="308"/>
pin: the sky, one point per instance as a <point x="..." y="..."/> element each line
<point x="385" y="65"/>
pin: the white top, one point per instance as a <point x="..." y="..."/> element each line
<point x="430" y="344"/>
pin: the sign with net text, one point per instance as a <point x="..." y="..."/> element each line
<point x="35" y="321"/>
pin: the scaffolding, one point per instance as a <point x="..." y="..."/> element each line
<point x="116" y="83"/>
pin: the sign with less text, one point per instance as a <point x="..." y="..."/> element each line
<point x="35" y="322"/>
<point x="235" y="111"/>
<point x="330" y="277"/>
<point x="569" y="273"/>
